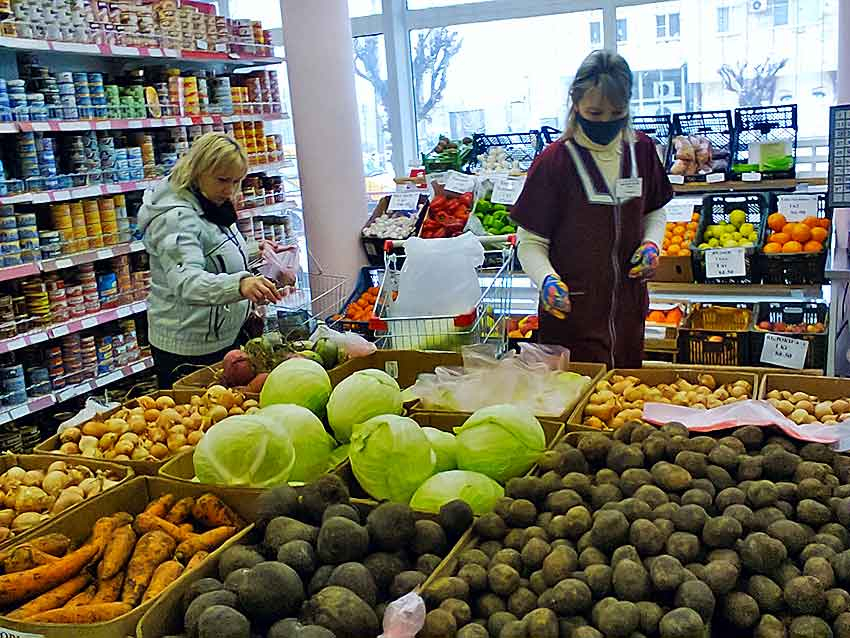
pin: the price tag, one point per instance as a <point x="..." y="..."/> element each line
<point x="60" y="331"/>
<point x="715" y="178"/>
<point x="68" y="393"/>
<point x="391" y="368"/>
<point x="112" y="377"/>
<point x="91" y="322"/>
<point x="656" y="333"/>
<point x="725" y="262"/>
<point x="125" y="311"/>
<point x="60" y="195"/>
<point x="41" y="198"/>
<point x="459" y="182"/>
<point x="751" y="177"/>
<point x="135" y="124"/>
<point x="88" y="191"/>
<point x="105" y="254"/>
<point x="797" y="207"/>
<point x="404" y="201"/>
<point x="138" y="367"/>
<point x="63" y="263"/>
<point x="169" y="122"/>
<point x="681" y="210"/>
<point x="507" y="191"/>
<point x="102" y="126"/>
<point x="16" y="344"/>
<point x="16" y="413"/>
<point x="207" y="120"/>
<point x="676" y="179"/>
<point x="786" y="352"/>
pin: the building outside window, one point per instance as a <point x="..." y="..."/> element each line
<point x="723" y="19"/>
<point x="622" y="30"/>
<point x="780" y="12"/>
<point x="596" y="33"/>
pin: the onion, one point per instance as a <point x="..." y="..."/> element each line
<point x="33" y="478"/>
<point x="27" y="520"/>
<point x="70" y="435"/>
<point x="55" y="482"/>
<point x="57" y="466"/>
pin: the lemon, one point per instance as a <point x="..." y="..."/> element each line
<point x="752" y="236"/>
<point x="704" y="246"/>
<point x="714" y="242"/>
<point x="737" y="218"/>
<point x="747" y="229"/>
<point x="736" y="236"/>
<point x="730" y="243"/>
<point x="745" y="244"/>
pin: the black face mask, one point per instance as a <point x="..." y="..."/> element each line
<point x="219" y="214"/>
<point x="602" y="133"/>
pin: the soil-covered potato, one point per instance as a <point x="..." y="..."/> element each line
<point x="439" y="623"/>
<point x="762" y="494"/>
<point x="558" y="565"/>
<point x="696" y="595"/>
<point x="631" y="581"/>
<point x="472" y="630"/>
<point x="599" y="580"/>
<point x="741" y="610"/>
<point x="761" y="553"/>
<point x="652" y="495"/>
<point x="572" y="597"/>
<point x="455" y="517"/>
<point x="809" y="627"/>
<point x="534" y="553"/>
<point x="666" y="573"/>
<point x="684" y="546"/>
<point x="618" y="619"/>
<point x="721" y="531"/>
<point x="770" y="627"/>
<point x="357" y="578"/>
<point x="837" y="602"/>
<point x="820" y="569"/>
<point x="721" y="576"/>
<point x="610" y="530"/>
<point x="671" y="477"/>
<point x="645" y="536"/>
<point x="542" y="623"/>
<point x="271" y="592"/>
<point x="503" y="579"/>
<point x="690" y="518"/>
<point x="459" y="609"/>
<point x="595" y="447"/>
<point x="681" y="623"/>
<point x="813" y="513"/>
<point x="404" y="583"/>
<point x="695" y="463"/>
<point x="341" y="540"/>
<point x="625" y="552"/>
<point x="447" y="587"/>
<point x="523" y="513"/>
<point x="342" y="612"/>
<point x="429" y="538"/>
<point x="805" y="595"/>
<point x="698" y="497"/>
<point x="491" y="526"/>
<point x="522" y="601"/>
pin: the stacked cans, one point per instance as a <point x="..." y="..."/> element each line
<point x="8" y="327"/>
<point x="98" y="95"/>
<point x="72" y="359"/>
<point x="68" y="96"/>
<point x="107" y="290"/>
<point x="105" y="363"/>
<point x="60" y="217"/>
<point x="135" y="163"/>
<point x="58" y="299"/>
<point x="88" y="354"/>
<point x="38" y="304"/>
<point x="50" y="243"/>
<point x="222" y="96"/>
<point x="75" y="300"/>
<point x="82" y="94"/>
<point x="27" y="234"/>
<point x="18" y="100"/>
<point x="91" y="294"/>
<point x="10" y="247"/>
<point x="94" y="229"/>
<point x="39" y="380"/>
<point x="14" y="385"/>
<point x="5" y="103"/>
<point x="106" y="153"/>
<point x="123" y="279"/>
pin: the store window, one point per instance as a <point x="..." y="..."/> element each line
<point x="780" y="12"/>
<point x="596" y="33"/>
<point x="361" y="8"/>
<point x="370" y="66"/>
<point x="465" y="83"/>
<point x="268" y="13"/>
<point x="622" y="30"/>
<point x="431" y="4"/>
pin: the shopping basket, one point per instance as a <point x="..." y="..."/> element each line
<point x="486" y="322"/>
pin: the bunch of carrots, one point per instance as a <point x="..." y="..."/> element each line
<point x="125" y="562"/>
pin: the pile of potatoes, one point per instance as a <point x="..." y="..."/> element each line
<point x="803" y="408"/>
<point x="620" y="399"/>
<point x="28" y="497"/>
<point x="155" y="429"/>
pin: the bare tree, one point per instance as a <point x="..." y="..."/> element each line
<point x="753" y="88"/>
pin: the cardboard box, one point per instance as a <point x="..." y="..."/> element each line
<point x="669" y="374"/>
<point x="42" y="462"/>
<point x="824" y="388"/>
<point x="402" y="365"/>
<point x="133" y="496"/>
<point x="675" y="269"/>
<point x="199" y="380"/>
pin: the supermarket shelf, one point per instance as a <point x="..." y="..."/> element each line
<point x="36" y="404"/>
<point x="87" y="257"/>
<point x="660" y="291"/>
<point x="136" y="123"/>
<point x="764" y="185"/>
<point x="70" y="327"/>
<point x="271" y="209"/>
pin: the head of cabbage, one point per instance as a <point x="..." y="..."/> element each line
<point x="358" y="398"/>
<point x="313" y="445"/>
<point x="299" y="382"/>
<point x="479" y="491"/>
<point x="245" y="451"/>
<point x="501" y="441"/>
<point x="444" y="445"/>
<point x="391" y="457"/>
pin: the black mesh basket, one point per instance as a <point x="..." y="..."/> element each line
<point x="792" y="313"/>
<point x="764" y="124"/>
<point x="794" y="269"/>
<point x="550" y="134"/>
<point x="518" y="147"/>
<point x="715" y="126"/>
<point x="657" y="128"/>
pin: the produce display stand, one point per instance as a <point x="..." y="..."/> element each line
<point x="791" y="313"/>
<point x="715" y="126"/>
<point x="370" y="277"/>
<point x="769" y="124"/>
<point x="715" y="335"/>
<point x="825" y="388"/>
<point x="132" y="497"/>
<point x="374" y="246"/>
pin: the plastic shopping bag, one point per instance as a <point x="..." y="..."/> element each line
<point x="91" y="410"/>
<point x="282" y="267"/>
<point x="351" y="344"/>
<point x="404" y="617"/>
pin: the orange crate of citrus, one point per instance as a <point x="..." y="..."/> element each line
<point x="808" y="236"/>
<point x="361" y="310"/>
<point x="678" y="237"/>
<point x="664" y="315"/>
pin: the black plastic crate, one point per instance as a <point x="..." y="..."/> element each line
<point x="368" y="278"/>
<point x="374" y="246"/>
<point x="792" y="313"/>
<point x="550" y="134"/>
<point x="657" y="128"/>
<point x="764" y="124"/>
<point x="518" y="147"/>
<point x="794" y="269"/>
<point x="715" y="126"/>
<point x="717" y="209"/>
<point x="716" y="335"/>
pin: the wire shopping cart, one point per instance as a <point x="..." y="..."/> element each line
<point x="486" y="322"/>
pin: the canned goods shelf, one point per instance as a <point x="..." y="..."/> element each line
<point x="60" y="126"/>
<point x="89" y="256"/>
<point x="69" y="327"/>
<point x="36" y="404"/>
<point x="271" y="209"/>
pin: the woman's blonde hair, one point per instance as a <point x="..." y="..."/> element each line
<point x="604" y="69"/>
<point x="209" y="153"/>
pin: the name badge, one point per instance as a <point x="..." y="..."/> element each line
<point x="629" y="187"/>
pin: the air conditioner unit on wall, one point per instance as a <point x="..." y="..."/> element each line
<point x="758" y="6"/>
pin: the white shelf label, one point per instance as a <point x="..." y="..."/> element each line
<point x="60" y="331"/>
<point x="64" y="263"/>
<point x="169" y="122"/>
<point x="404" y="201"/>
<point x="135" y="124"/>
<point x="715" y="178"/>
<point x="507" y="191"/>
<point x="103" y="126"/>
<point x="17" y="413"/>
<point x="68" y="393"/>
<point x="725" y="262"/>
<point x="125" y="311"/>
<point x="89" y="191"/>
<point x="138" y="367"/>
<point x="797" y="207"/>
<point x="459" y="182"/>
<point x="751" y="177"/>
<point x="11" y="633"/>
<point x="786" y="352"/>
<point x="90" y="322"/>
<point x="112" y="377"/>
<point x="17" y="344"/>
<point x="105" y="254"/>
<point x="681" y="210"/>
<point x="654" y="333"/>
<point x="676" y="179"/>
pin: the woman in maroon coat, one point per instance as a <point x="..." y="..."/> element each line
<point x="592" y="220"/>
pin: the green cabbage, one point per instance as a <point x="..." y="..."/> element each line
<point x="300" y="382"/>
<point x="445" y="447"/>
<point x="391" y="457"/>
<point x="480" y="491"/>
<point x="358" y="398"/>
<point x="501" y="441"/>
<point x="312" y="443"/>
<point x="246" y="451"/>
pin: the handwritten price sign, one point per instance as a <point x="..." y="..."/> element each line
<point x="506" y="191"/>
<point x="797" y="207"/>
<point x="785" y="352"/>
<point x="725" y="262"/>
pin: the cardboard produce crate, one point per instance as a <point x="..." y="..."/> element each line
<point x="656" y="376"/>
<point x="824" y="388"/>
<point x="133" y="496"/>
<point x="199" y="380"/>
<point x="402" y="365"/>
<point x="42" y="462"/>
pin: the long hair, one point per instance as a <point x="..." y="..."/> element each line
<point x="209" y="153"/>
<point x="604" y="69"/>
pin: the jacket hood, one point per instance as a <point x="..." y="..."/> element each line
<point x="162" y="199"/>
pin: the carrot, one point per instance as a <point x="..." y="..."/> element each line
<point x="117" y="552"/>
<point x="53" y="599"/>
<point x="153" y="548"/>
<point x="104" y="528"/>
<point x="147" y="522"/>
<point x="181" y="511"/>
<point x="84" y="597"/>
<point x="162" y="577"/>
<point x="82" y="615"/>
<point x="196" y="560"/>
<point x="211" y="511"/>
<point x="53" y="544"/>
<point x="108" y="591"/>
<point x="26" y="557"/>
<point x="32" y="582"/>
<point x="207" y="541"/>
<point x="160" y="506"/>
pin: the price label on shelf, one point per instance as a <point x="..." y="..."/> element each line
<point x="459" y="182"/>
<point x="169" y="122"/>
<point x="63" y="263"/>
<point x="138" y="367"/>
<point x="18" y="413"/>
<point x="135" y="123"/>
<point x="681" y="209"/>
<point x="68" y="393"/>
<point x="89" y="322"/>
<point x="11" y="633"/>
<point x="506" y="191"/>
<point x="797" y="207"/>
<point x="676" y="179"/>
<point x="725" y="262"/>
<point x="103" y="126"/>
<point x="404" y="201"/>
<point x="715" y="178"/>
<point x="125" y="311"/>
<point x="112" y="377"/>
<point x="16" y="344"/>
<point x="105" y="254"/>
<point x="786" y="352"/>
<point x="751" y="177"/>
<point x="654" y="333"/>
<point x="60" y="331"/>
<point x="88" y="191"/>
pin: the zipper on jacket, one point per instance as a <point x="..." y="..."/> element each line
<point x="615" y="262"/>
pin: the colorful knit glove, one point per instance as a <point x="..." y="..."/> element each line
<point x="645" y="261"/>
<point x="555" y="297"/>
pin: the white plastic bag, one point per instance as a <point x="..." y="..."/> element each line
<point x="404" y="617"/>
<point x="92" y="409"/>
<point x="439" y="277"/>
<point x="349" y="343"/>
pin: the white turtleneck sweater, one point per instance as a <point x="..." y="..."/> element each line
<point x="534" y="249"/>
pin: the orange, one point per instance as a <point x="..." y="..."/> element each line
<point x="787" y="229"/>
<point x="772" y="248"/>
<point x="674" y="316"/>
<point x="819" y="234"/>
<point x="673" y="249"/>
<point x="684" y="252"/>
<point x="811" y="222"/>
<point x="695" y="217"/>
<point x="776" y="221"/>
<point x="823" y="222"/>
<point x="778" y="238"/>
<point x="792" y="247"/>
<point x="801" y="233"/>
<point x="693" y="225"/>
<point x="656" y="316"/>
<point x="813" y="246"/>
<point x="679" y="230"/>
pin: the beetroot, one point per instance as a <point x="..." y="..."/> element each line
<point x="238" y="369"/>
<point x="257" y="383"/>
